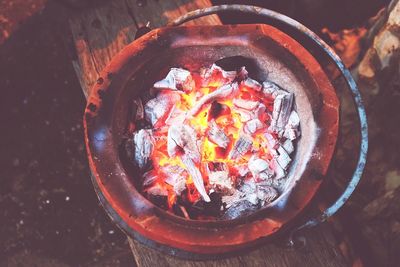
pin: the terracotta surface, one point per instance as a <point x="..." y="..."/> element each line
<point x="276" y="56"/>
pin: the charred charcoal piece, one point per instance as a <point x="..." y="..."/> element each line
<point x="282" y="109"/>
<point x="144" y="144"/>
<point x="239" y="209"/>
<point x="270" y="88"/>
<point x="242" y="145"/>
<point x="283" y="158"/>
<point x="259" y="168"/>
<point x="266" y="194"/>
<point x="217" y="135"/>
<point x="157" y="109"/>
<point x="288" y="146"/>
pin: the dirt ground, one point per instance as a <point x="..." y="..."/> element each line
<point x="49" y="213"/>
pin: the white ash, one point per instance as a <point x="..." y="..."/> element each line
<point x="176" y="79"/>
<point x="144" y="144"/>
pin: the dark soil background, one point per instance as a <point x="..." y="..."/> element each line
<point x="49" y="213"/>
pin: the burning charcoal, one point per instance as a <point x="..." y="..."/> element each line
<point x="218" y="176"/>
<point x="138" y="110"/>
<point x="245" y="115"/>
<point x="253" y="84"/>
<point x="144" y="143"/>
<point x="288" y="146"/>
<point x="227" y="90"/>
<point x="182" y="139"/>
<point x="157" y="108"/>
<point x="283" y="159"/>
<point x="270" y="88"/>
<point x="176" y="177"/>
<point x="242" y="145"/>
<point x="149" y="178"/>
<point x="217" y="136"/>
<point x="252" y="126"/>
<point x="175" y="117"/>
<point x="266" y="194"/>
<point x="239" y="209"/>
<point x="196" y="177"/>
<point x="177" y="79"/>
<point x="258" y="166"/>
<point x="216" y="74"/>
<point x="245" y="104"/>
<point x="282" y="109"/>
<point x="217" y="109"/>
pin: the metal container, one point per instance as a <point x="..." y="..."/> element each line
<point x="271" y="53"/>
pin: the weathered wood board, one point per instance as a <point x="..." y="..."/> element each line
<point x="98" y="34"/>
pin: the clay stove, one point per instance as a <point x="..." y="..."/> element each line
<point x="268" y="55"/>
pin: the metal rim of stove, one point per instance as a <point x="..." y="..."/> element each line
<point x="321" y="45"/>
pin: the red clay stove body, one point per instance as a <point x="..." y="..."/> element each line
<point x="276" y="56"/>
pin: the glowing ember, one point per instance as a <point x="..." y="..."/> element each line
<point x="217" y="137"/>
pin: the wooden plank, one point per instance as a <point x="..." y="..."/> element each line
<point x="320" y="250"/>
<point x="98" y="34"/>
